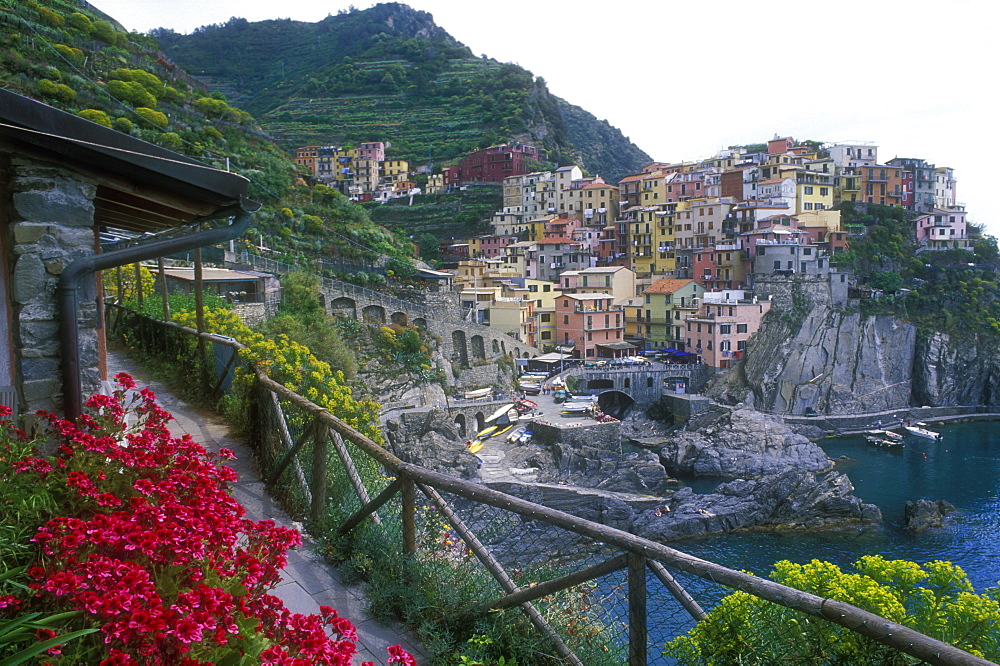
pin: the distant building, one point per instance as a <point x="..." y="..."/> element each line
<point x="493" y="164"/>
<point x="719" y="331"/>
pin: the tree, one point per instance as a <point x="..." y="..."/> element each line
<point x="429" y="247"/>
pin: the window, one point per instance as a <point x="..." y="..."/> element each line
<point x="808" y="189"/>
<point x="741" y="345"/>
<point x="741" y="328"/>
<point x="777" y="265"/>
<point x="725" y="329"/>
<point x="565" y="319"/>
<point x="546" y="287"/>
<point x="533" y="288"/>
<point x="546" y="335"/>
<point x="709" y="345"/>
<point x="725" y="345"/>
<point x="566" y="304"/>
<point x="590" y="321"/>
<point x="590" y="336"/>
<point x="546" y="317"/>
<point x="823" y="191"/>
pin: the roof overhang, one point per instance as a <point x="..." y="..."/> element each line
<point x="140" y="186"/>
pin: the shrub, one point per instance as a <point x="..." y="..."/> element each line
<point x="744" y="629"/>
<point x="81" y="22"/>
<point x="59" y="91"/>
<point x="123" y="125"/>
<point x="131" y="92"/>
<point x="49" y="17"/>
<point x="95" y="116"/>
<point x="71" y="53"/>
<point x="156" y="117"/>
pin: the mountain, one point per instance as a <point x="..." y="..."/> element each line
<point x="390" y="73"/>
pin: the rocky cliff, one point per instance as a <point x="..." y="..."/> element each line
<point x="837" y="362"/>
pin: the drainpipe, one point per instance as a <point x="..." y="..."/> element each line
<point x="69" y="282"/>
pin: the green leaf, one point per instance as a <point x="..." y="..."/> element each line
<point x="26" y="654"/>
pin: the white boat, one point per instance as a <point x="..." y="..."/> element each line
<point x="516" y="434"/>
<point x="478" y="393"/>
<point x="917" y="430"/>
<point x="884" y="443"/>
<point x="885" y="434"/>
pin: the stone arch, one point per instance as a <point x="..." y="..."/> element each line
<point x="478" y="348"/>
<point x="345" y="306"/>
<point x="525" y="355"/>
<point x="649" y="381"/>
<point x="399" y="318"/>
<point x="503" y="347"/>
<point x="461" y="354"/>
<point x="373" y="314"/>
<point x="496" y="346"/>
<point x="480" y="422"/>
<point x="600" y="384"/>
<point x="460" y="425"/>
<point x="420" y="322"/>
<point x="615" y="403"/>
<point x="628" y="383"/>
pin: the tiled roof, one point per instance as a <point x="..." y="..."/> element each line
<point x="666" y="286"/>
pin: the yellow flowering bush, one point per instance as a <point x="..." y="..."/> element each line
<point x="295" y="367"/>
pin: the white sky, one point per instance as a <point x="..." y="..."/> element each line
<point x="684" y="79"/>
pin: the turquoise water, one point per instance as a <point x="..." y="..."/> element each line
<point x="963" y="468"/>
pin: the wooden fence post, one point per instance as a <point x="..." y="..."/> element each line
<point x="319" y="463"/>
<point x="637" y="634"/>
<point x="409" y="517"/>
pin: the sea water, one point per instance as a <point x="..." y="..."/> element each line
<point x="963" y="468"/>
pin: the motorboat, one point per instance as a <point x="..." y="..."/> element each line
<point x="883" y="442"/>
<point x="918" y="430"/>
<point x="885" y="434"/>
<point x="525" y="437"/>
<point x="477" y="394"/>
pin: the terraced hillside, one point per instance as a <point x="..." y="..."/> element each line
<point x="389" y="73"/>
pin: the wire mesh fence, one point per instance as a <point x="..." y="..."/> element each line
<point x="455" y="558"/>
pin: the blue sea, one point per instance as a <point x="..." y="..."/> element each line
<point x="963" y="468"/>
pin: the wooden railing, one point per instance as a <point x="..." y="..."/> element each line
<point x="345" y="483"/>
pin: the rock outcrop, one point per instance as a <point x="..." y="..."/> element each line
<point x="742" y="443"/>
<point x="431" y="439"/>
<point x="923" y="514"/>
<point x="788" y="500"/>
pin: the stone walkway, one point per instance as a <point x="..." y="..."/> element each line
<point x="307" y="581"/>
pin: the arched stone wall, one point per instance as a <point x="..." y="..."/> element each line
<point x="373" y="314"/>
<point x="478" y="348"/>
<point x="399" y="318"/>
<point x="461" y="425"/>
<point x="420" y="322"/>
<point x="345" y="306"/>
<point x="461" y="348"/>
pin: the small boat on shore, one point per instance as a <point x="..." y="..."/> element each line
<point x="477" y="394"/>
<point x="918" y="430"/>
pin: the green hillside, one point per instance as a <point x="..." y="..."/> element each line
<point x="84" y="62"/>
<point x="389" y="73"/>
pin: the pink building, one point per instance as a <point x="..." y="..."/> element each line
<point x="591" y="322"/>
<point x="723" y="324"/>
<point x="942" y="230"/>
<point x="374" y="150"/>
<point x="489" y="246"/>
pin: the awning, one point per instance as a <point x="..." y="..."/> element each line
<point x="617" y="345"/>
<point x="565" y="349"/>
<point x="683" y="354"/>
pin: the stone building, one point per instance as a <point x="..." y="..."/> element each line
<point x="63" y="180"/>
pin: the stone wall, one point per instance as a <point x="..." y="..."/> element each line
<point x="51" y="225"/>
<point x="785" y="291"/>
<point x="252" y="314"/>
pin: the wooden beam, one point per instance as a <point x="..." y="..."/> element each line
<point x="675" y="588"/>
<point x="548" y="587"/>
<point x="637" y="632"/>
<point x="371" y="507"/>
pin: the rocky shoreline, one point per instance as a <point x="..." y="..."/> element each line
<point x="771" y="476"/>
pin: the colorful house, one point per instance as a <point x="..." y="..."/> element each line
<point x="719" y="331"/>
<point x="592" y="323"/>
<point x="667" y="303"/>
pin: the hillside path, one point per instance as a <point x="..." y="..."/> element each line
<point x="308" y="582"/>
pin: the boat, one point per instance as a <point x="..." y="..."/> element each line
<point x="477" y="394"/>
<point x="917" y="430"/>
<point x="523" y="406"/>
<point x="525" y="437"/>
<point x="559" y="395"/>
<point x="578" y="406"/>
<point x="885" y="434"/>
<point x="489" y="431"/>
<point x="501" y="430"/>
<point x="884" y="443"/>
<point x="475" y="446"/>
<point x="516" y="434"/>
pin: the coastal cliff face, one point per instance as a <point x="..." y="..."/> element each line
<point x="839" y="363"/>
<point x="952" y="372"/>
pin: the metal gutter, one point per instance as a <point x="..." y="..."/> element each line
<point x="69" y="283"/>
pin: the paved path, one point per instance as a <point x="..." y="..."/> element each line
<point x="307" y="581"/>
